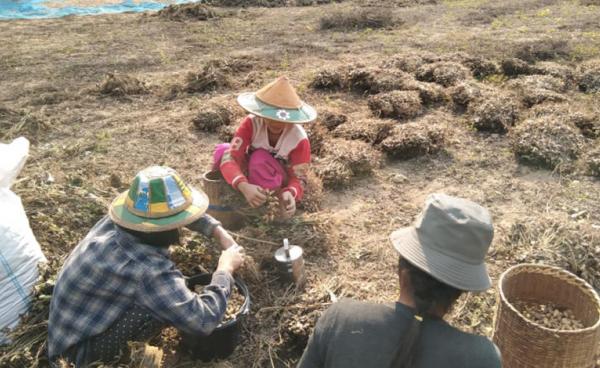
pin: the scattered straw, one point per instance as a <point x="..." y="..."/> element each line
<point x="121" y="85"/>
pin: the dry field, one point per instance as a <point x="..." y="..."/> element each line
<point x="496" y="101"/>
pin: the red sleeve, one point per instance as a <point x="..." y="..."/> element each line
<point x="234" y="159"/>
<point x="299" y="161"/>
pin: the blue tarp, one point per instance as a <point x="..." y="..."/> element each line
<point x="22" y="9"/>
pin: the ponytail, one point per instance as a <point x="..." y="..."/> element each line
<point x="428" y="293"/>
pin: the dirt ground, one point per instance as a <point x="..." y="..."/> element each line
<point x="91" y="133"/>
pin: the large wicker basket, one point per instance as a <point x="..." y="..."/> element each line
<point x="524" y="343"/>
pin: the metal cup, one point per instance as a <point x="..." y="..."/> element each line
<point x="291" y="263"/>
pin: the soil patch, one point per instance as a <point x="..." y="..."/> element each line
<point x="19" y="123"/>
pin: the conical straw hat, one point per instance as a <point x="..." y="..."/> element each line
<point x="278" y="101"/>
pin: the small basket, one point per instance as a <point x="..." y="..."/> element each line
<point x="524" y="343"/>
<point x="215" y="188"/>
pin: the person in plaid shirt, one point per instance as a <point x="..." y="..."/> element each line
<point x="119" y="285"/>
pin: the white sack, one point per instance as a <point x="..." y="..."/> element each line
<point x="20" y="252"/>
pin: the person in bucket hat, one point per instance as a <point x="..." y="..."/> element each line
<point x="440" y="257"/>
<point x="270" y="151"/>
<point x="119" y="285"/>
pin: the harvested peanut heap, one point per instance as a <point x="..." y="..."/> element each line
<point x="234" y="303"/>
<point x="549" y="315"/>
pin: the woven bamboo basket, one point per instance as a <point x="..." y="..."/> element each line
<point x="219" y="195"/>
<point x="526" y="344"/>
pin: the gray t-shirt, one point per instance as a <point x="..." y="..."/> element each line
<point x="360" y="334"/>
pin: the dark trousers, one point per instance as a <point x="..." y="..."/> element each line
<point x="136" y="324"/>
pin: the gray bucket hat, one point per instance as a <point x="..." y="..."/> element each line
<point x="449" y="241"/>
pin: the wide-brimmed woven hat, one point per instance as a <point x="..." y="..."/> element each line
<point x="449" y="241"/>
<point x="278" y="101"/>
<point x="158" y="200"/>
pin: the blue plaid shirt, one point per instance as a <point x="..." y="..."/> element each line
<point x="110" y="270"/>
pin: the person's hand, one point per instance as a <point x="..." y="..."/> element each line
<point x="231" y="259"/>
<point x="222" y="236"/>
<point x="288" y="204"/>
<point x="254" y="194"/>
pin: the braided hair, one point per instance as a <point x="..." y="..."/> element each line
<point x="429" y="294"/>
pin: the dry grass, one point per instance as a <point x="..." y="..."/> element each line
<point x="491" y="10"/>
<point x="209" y="78"/>
<point x="445" y="73"/>
<point x="495" y="113"/>
<point x="591" y="162"/>
<point x="590" y="78"/>
<point x="344" y="20"/>
<point x="332" y="120"/>
<point x="543" y="49"/>
<point x="183" y="12"/>
<point x="212" y="118"/>
<point x="578" y="115"/>
<point x="121" y="85"/>
<point x="69" y="177"/>
<point x="358" y="156"/>
<point x="536" y="89"/>
<point x="547" y="142"/>
<point x="369" y="130"/>
<point x="399" y="105"/>
<point x="327" y="79"/>
<point x="18" y="123"/>
<point x="414" y="139"/>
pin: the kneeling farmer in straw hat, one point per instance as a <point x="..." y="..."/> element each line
<point x="119" y="285"/>
<point x="270" y="150"/>
<point x="441" y="256"/>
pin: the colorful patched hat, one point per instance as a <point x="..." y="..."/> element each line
<point x="158" y="200"/>
<point x="278" y="101"/>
